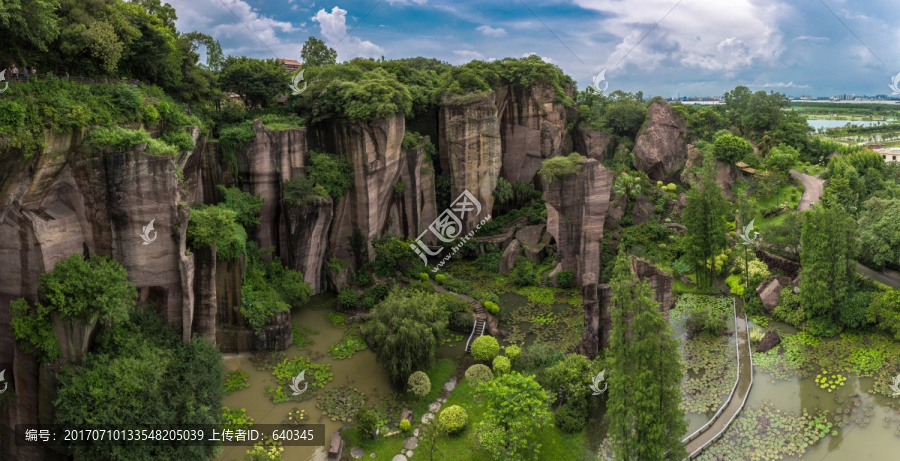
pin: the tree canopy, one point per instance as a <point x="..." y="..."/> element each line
<point x="316" y="53"/>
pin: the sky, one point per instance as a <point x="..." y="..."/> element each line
<point x="661" y="47"/>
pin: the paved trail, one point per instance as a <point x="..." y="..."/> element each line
<point x="813" y="188"/>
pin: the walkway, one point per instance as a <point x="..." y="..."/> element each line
<point x="696" y="442"/>
<point x="813" y="188"/>
<point x="480" y="321"/>
<point x="888" y="277"/>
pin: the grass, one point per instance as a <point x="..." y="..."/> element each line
<point x="679" y="287"/>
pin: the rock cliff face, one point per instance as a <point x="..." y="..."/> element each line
<point x="471" y="154"/>
<point x="374" y="152"/>
<point x="726" y="173"/>
<point x="660" y="149"/>
<point x="413" y="209"/>
<point x="576" y="209"/>
<point x="593" y="143"/>
<point x="660" y="282"/>
<point x="307" y="230"/>
<point x="532" y="129"/>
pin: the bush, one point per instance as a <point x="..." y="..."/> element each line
<point x="853" y="314"/>
<point x="730" y="148"/>
<point x="542" y="355"/>
<point x="460" y="321"/>
<point x="363" y="278"/>
<point x="453" y="419"/>
<point x="502" y="365"/>
<point x="419" y="383"/>
<point x="489" y="262"/>
<point x="440" y="278"/>
<point x="332" y="172"/>
<point x="424" y="277"/>
<point x="115" y="138"/>
<point x="788" y="309"/>
<point x="478" y="373"/>
<point x="424" y="287"/>
<point x="485" y="348"/>
<point x="705" y="317"/>
<point x="367" y="422"/>
<point x="404" y="425"/>
<point x="524" y="273"/>
<point x="570" y="418"/>
<point x="512" y="353"/>
<point x="348" y="298"/>
<point x="556" y="167"/>
<point x="492" y="307"/>
<point x="301" y="191"/>
<point x="565" y="278"/>
<point x="488" y="296"/>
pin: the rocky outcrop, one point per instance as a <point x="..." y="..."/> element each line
<point x="509" y="257"/>
<point x="769" y="290"/>
<point x="726" y="173"/>
<point x="594" y="144"/>
<point x="775" y="262"/>
<point x="307" y="228"/>
<point x="660" y="149"/>
<point x="376" y="158"/>
<point x="770" y="340"/>
<point x="535" y="241"/>
<point x="660" y="281"/>
<point x="590" y="337"/>
<point x="576" y="209"/>
<point x="532" y="128"/>
<point x="470" y="153"/>
<point x="414" y="207"/>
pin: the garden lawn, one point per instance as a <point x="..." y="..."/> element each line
<point x="387" y="447"/>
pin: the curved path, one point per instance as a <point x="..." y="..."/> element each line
<point x="813" y="188"/>
<point x="696" y="442"/>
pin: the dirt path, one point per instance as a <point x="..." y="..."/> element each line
<point x="813" y="188"/>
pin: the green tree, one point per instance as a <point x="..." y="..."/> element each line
<point x="213" y="227"/>
<point x="331" y="172"/>
<point x="258" y="81"/>
<point x="645" y="371"/>
<point x="366" y="422"/>
<point x="570" y="381"/>
<point x="828" y="242"/>
<point x="406" y="328"/>
<point x="782" y="158"/>
<point x="28" y="24"/>
<point x="704" y="218"/>
<point x="515" y="412"/>
<point x="627" y="186"/>
<point x="503" y="193"/>
<point x="316" y="53"/>
<point x="879" y="232"/>
<point x="245" y="205"/>
<point x="730" y="148"/>
<point x="625" y="114"/>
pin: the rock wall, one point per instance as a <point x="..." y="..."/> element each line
<point x="532" y="129"/>
<point x="471" y="153"/>
<point x="414" y="209"/>
<point x="374" y="152"/>
<point x="594" y="144"/>
<point x="660" y="149"/>
<point x="576" y="209"/>
<point x="307" y="240"/>
<point x="660" y="283"/>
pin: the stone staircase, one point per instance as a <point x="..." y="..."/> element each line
<point x="479" y="326"/>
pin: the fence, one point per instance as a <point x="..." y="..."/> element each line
<point x="72" y="78"/>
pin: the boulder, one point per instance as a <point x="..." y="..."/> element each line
<point x="336" y="446"/>
<point x="533" y="242"/>
<point x="407" y="414"/>
<point x="770" y="340"/>
<point x="593" y="143"/>
<point x="660" y="149"/>
<point x="509" y="257"/>
<point x="769" y="290"/>
<point x="643" y="210"/>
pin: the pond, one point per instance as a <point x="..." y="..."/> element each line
<point x="359" y="371"/>
<point x="817" y="124"/>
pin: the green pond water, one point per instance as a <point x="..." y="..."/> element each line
<point x="874" y="442"/>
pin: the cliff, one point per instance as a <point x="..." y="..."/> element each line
<point x="660" y="149"/>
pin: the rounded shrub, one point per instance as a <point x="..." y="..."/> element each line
<point x="419" y="384"/>
<point x="478" y="374"/>
<point x="404" y="425"/>
<point x="453" y="419"/>
<point x="565" y="279"/>
<point x="570" y="419"/>
<point x="439" y="278"/>
<point x="492" y="307"/>
<point x="424" y="277"/>
<point x="502" y="365"/>
<point x="485" y="348"/>
<point x="512" y="353"/>
<point x="348" y="298"/>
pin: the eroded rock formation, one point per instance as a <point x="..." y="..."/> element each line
<point x="660" y="149"/>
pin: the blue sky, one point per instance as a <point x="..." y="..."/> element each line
<point x="701" y="47"/>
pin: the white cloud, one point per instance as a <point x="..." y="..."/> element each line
<point x="333" y="27"/>
<point x="407" y="2"/>
<point x="712" y="36"/>
<point x="468" y="55"/>
<point x="779" y="85"/>
<point x="543" y="58"/>
<point x="490" y="31"/>
<point x="810" y="38"/>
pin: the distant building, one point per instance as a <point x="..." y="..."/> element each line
<point x="890" y="154"/>
<point x="290" y="65"/>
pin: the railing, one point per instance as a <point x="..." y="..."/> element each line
<point x="737" y="380"/>
<point x="746" y="396"/>
<point x="72" y="78"/>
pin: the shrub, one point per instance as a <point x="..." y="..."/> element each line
<point x="570" y="418"/>
<point x="363" y="278"/>
<point x="115" y="138"/>
<point x="332" y="172"/>
<point x="453" y="419"/>
<point x="300" y="191"/>
<point x="556" y="167"/>
<point x="460" y="321"/>
<point x="424" y="277"/>
<point x="704" y="316"/>
<point x="485" y="348"/>
<point x="492" y="307"/>
<point x="424" y="287"/>
<point x="367" y="422"/>
<point x="419" y="383"/>
<point x="150" y="115"/>
<point x="524" y="273"/>
<point x="404" y="425"/>
<point x="512" y="353"/>
<point x="502" y="365"/>
<point x="478" y="373"/>
<point x="853" y="314"/>
<point x="542" y="355"/>
<point x="439" y="278"/>
<point x="488" y="296"/>
<point x="348" y="298"/>
<point x="823" y="327"/>
<point x="565" y="278"/>
<point x="788" y="309"/>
